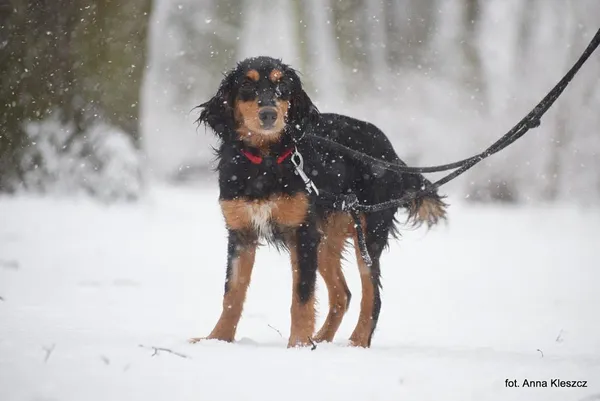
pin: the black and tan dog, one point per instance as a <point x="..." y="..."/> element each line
<point x="259" y="113"/>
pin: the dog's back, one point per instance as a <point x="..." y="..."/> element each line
<point x="371" y="183"/>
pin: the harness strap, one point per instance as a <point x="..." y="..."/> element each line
<point x="531" y="120"/>
<point x="360" y="235"/>
<point x="349" y="202"/>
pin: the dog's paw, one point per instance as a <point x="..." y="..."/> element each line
<point x="359" y="341"/>
<point x="301" y="342"/>
<point x="323" y="336"/>
<point x="195" y="340"/>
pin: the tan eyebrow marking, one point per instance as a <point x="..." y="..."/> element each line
<point x="275" y="75"/>
<point x="253" y="75"/>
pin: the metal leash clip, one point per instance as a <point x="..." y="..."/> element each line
<point x="298" y="162"/>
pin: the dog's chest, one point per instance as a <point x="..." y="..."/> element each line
<point x="262" y="216"/>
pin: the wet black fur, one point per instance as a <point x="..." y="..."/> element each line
<point x="330" y="171"/>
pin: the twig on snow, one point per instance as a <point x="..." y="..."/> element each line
<point x="48" y="351"/>
<point x="159" y="349"/>
<point x="559" y="338"/>
<point x="314" y="346"/>
<point x="540" y="352"/>
<point x="278" y="332"/>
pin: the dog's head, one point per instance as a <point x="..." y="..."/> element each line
<point x="258" y="101"/>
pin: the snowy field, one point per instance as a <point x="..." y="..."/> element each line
<point x="498" y="293"/>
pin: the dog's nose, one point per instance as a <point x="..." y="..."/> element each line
<point x="267" y="116"/>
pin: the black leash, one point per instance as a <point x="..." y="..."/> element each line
<point x="349" y="203"/>
<point x="531" y="120"/>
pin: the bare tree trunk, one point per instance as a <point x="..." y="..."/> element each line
<point x="350" y="33"/>
<point x="409" y="27"/>
<point x="322" y="52"/>
<point x="473" y="75"/>
<point x="375" y="48"/>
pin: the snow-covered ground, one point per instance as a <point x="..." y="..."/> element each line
<point x="499" y="293"/>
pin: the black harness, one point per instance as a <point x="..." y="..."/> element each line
<point x="349" y="202"/>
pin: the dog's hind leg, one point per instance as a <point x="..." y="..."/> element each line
<point x="376" y="232"/>
<point x="330" y="267"/>
<point x="241" y="251"/>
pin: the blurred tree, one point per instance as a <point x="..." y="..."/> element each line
<point x="409" y="27"/>
<point x="454" y="75"/>
<point x="350" y="35"/>
<point x="208" y="32"/>
<point x="473" y="75"/>
<point x="82" y="61"/>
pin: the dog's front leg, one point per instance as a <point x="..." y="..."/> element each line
<point x="241" y="250"/>
<point x="303" y="251"/>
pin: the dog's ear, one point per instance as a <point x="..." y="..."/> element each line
<point x="302" y="111"/>
<point x="217" y="112"/>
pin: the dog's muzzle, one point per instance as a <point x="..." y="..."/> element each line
<point x="267" y="117"/>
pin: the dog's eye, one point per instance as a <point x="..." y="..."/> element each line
<point x="247" y="89"/>
<point x="282" y="90"/>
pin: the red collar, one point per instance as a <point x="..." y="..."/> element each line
<point x="257" y="159"/>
